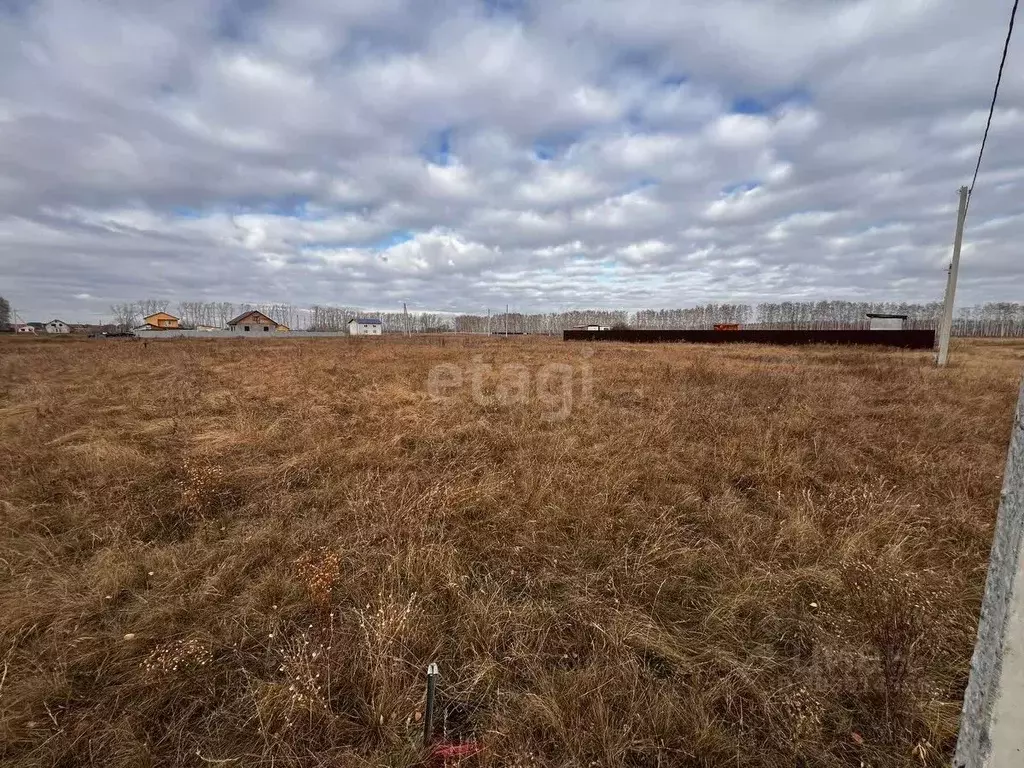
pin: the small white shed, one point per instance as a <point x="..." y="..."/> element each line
<point x="877" y="322"/>
<point x="364" y="326"/>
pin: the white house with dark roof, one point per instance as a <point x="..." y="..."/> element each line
<point x="58" y="326"/>
<point x="365" y="326"/>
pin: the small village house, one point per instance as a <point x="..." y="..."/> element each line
<point x="254" y="322"/>
<point x="24" y="328"/>
<point x="365" y="326"/>
<point x="57" y="326"/>
<point x="881" y="322"/>
<point x="159" y="321"/>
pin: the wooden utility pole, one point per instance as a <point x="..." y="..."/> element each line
<point x="506" y="321"/>
<point x="405" y="311"/>
<point x="946" y="324"/>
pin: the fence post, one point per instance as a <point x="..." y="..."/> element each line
<point x="992" y="721"/>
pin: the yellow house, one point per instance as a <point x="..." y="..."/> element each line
<point x="161" y="321"/>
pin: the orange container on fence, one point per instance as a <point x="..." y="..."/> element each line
<point x="727" y="326"/>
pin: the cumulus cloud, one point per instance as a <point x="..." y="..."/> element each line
<point x="464" y="154"/>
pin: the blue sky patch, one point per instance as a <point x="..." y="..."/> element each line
<point x="645" y="182"/>
<point x="325" y="245"/>
<point x="292" y="206"/>
<point x="392" y="239"/>
<point x="553" y="145"/>
<point x="749" y="105"/>
<point x="514" y="8"/>
<point x="235" y="17"/>
<point x="607" y="270"/>
<point x="438" y="150"/>
<point x="638" y="61"/>
<point x="382" y="243"/>
<point x="743" y="186"/>
<point x="188" y="212"/>
<point x="544" y="152"/>
<point x="674" y="81"/>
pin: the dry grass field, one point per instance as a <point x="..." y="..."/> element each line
<point x="244" y="553"/>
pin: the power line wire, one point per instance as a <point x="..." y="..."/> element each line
<point x="995" y="93"/>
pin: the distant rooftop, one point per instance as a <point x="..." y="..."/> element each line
<point x="365" y="320"/>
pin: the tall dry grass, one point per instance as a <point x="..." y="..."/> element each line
<point x="238" y="553"/>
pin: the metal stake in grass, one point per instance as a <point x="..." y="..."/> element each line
<point x="428" y="716"/>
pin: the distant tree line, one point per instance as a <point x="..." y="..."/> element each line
<point x="992" y="319"/>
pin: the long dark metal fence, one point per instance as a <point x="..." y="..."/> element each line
<point x="915" y="339"/>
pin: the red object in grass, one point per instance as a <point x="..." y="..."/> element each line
<point x="449" y="750"/>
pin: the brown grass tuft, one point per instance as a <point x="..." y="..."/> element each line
<point x="320" y="572"/>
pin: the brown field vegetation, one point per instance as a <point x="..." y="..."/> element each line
<point x="246" y="553"/>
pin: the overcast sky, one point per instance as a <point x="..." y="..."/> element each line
<point x="458" y="154"/>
